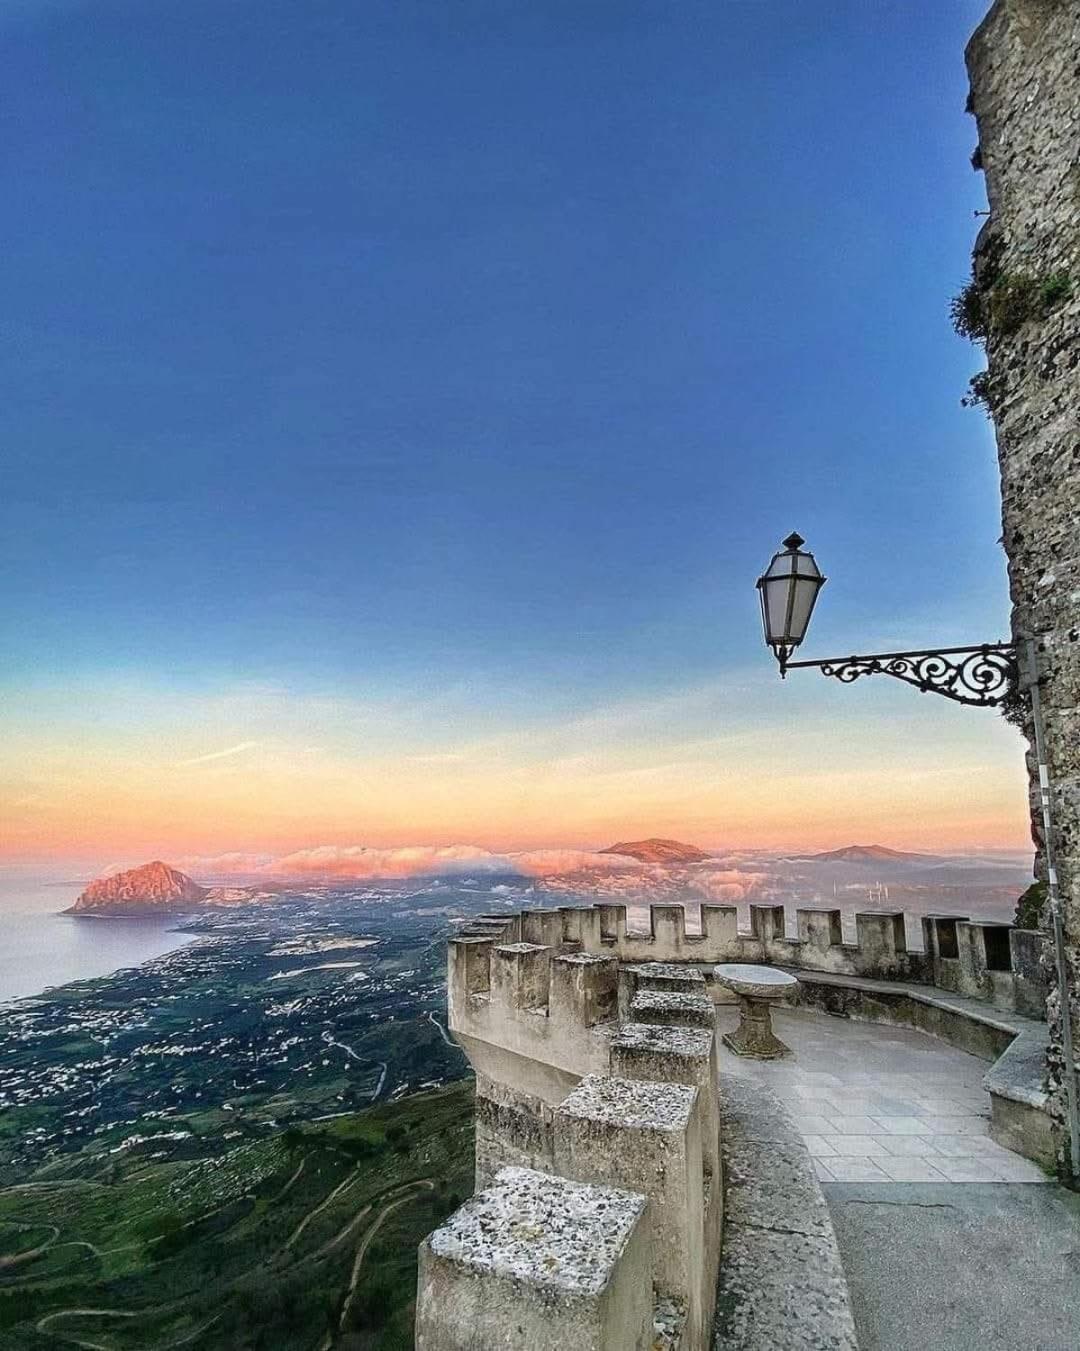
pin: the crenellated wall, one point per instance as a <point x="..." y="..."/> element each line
<point x="980" y="958"/>
<point x="596" y="1068"/>
<point x="596" y="1094"/>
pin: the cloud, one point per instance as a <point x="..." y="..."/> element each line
<point x="547" y="862"/>
<point x="357" y="861"/>
<point x="234" y="864"/>
<point x="732" y="884"/>
<point x="217" y="755"/>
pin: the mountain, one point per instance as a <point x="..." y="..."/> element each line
<point x="154" y="886"/>
<point x="658" y="851"/>
<point x="862" y="853"/>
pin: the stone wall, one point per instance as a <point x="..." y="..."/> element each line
<point x="1024" y="66"/>
<point x="597" y="1114"/>
<point x="991" y="961"/>
<point x="595" y="1054"/>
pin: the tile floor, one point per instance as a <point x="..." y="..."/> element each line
<point x="881" y="1104"/>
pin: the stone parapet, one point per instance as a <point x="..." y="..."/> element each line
<point x="594" y="1073"/>
<point x="646" y="1136"/>
<point x="987" y="960"/>
<point x="595" y="1054"/>
<point x="684" y="1055"/>
<point x="538" y="1263"/>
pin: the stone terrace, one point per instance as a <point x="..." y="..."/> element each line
<point x="599" y="1063"/>
<point x="881" y="1104"/>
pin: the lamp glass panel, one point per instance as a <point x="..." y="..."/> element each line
<point x="806" y="567"/>
<point x="806" y="589"/>
<point x="781" y="566"/>
<point x="775" y="594"/>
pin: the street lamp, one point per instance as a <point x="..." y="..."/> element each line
<point x="788" y="588"/>
<point x="983" y="676"/>
<point x="986" y="676"/>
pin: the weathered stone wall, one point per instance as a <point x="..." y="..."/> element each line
<point x="1024" y="66"/>
<point x="496" y="980"/>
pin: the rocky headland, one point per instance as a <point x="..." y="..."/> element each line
<point x="153" y="888"/>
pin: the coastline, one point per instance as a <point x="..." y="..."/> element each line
<point x="39" y="956"/>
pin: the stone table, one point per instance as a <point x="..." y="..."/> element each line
<point x="757" y="988"/>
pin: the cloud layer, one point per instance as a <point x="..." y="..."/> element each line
<point x="357" y="862"/>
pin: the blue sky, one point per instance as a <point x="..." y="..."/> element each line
<point x="475" y="358"/>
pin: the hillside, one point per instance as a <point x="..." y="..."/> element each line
<point x="300" y="1241"/>
<point x="658" y="851"/>
<point x="151" y="888"/>
<point x="863" y="853"/>
<point x="154" y="886"/>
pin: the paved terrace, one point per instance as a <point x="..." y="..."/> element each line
<point x="948" y="1240"/>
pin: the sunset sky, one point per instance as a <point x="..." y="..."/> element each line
<point x="402" y="398"/>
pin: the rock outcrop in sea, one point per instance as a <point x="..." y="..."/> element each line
<point x="153" y="887"/>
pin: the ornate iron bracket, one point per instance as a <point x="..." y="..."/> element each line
<point x="986" y="676"/>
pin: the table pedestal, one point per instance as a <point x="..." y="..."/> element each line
<point x="754" y="1036"/>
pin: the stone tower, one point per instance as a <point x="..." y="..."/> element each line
<point x="1024" y="303"/>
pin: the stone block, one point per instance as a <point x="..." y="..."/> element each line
<point x="673" y="1009"/>
<point x="582" y="989"/>
<point x="470" y="964"/>
<point x="512" y="1128"/>
<point x="520" y="975"/>
<point x="538" y="1263"/>
<point x="645" y="1137"/>
<point x="678" y="1055"/>
<point x="581" y="924"/>
<point x="720" y="927"/>
<point x="612" y="922"/>
<point x="767" y="922"/>
<point x="882" y="944"/>
<point x="819" y="930"/>
<point x="543" y="927"/>
<point x="1028" y="950"/>
<point x="972" y="960"/>
<point x="669" y="976"/>
<point x="668" y="925"/>
<point x="942" y="945"/>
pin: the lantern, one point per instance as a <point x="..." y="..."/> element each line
<point x="788" y="588"/>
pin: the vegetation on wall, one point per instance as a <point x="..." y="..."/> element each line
<point x="996" y="304"/>
<point x="998" y="308"/>
<point x="1029" y="906"/>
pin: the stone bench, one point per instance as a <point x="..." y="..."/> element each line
<point x="1019" y="1104"/>
<point x="1016" y="1045"/>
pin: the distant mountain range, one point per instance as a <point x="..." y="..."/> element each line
<point x="153" y="887"/>
<point x="658" y="851"/>
<point x="632" y="871"/>
<point x="862" y="853"/>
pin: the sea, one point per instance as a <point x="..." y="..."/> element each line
<point x="40" y="947"/>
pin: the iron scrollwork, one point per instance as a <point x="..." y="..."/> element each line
<point x="983" y="676"/>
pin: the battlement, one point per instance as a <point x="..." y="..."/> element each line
<point x="595" y="1054"/>
<point x="980" y="958"/>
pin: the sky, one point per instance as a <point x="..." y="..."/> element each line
<point x="402" y="398"/>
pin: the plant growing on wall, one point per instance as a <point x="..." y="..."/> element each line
<point x="1029" y="906"/>
<point x="996" y="304"/>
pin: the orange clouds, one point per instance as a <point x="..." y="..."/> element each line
<point x="358" y="862"/>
